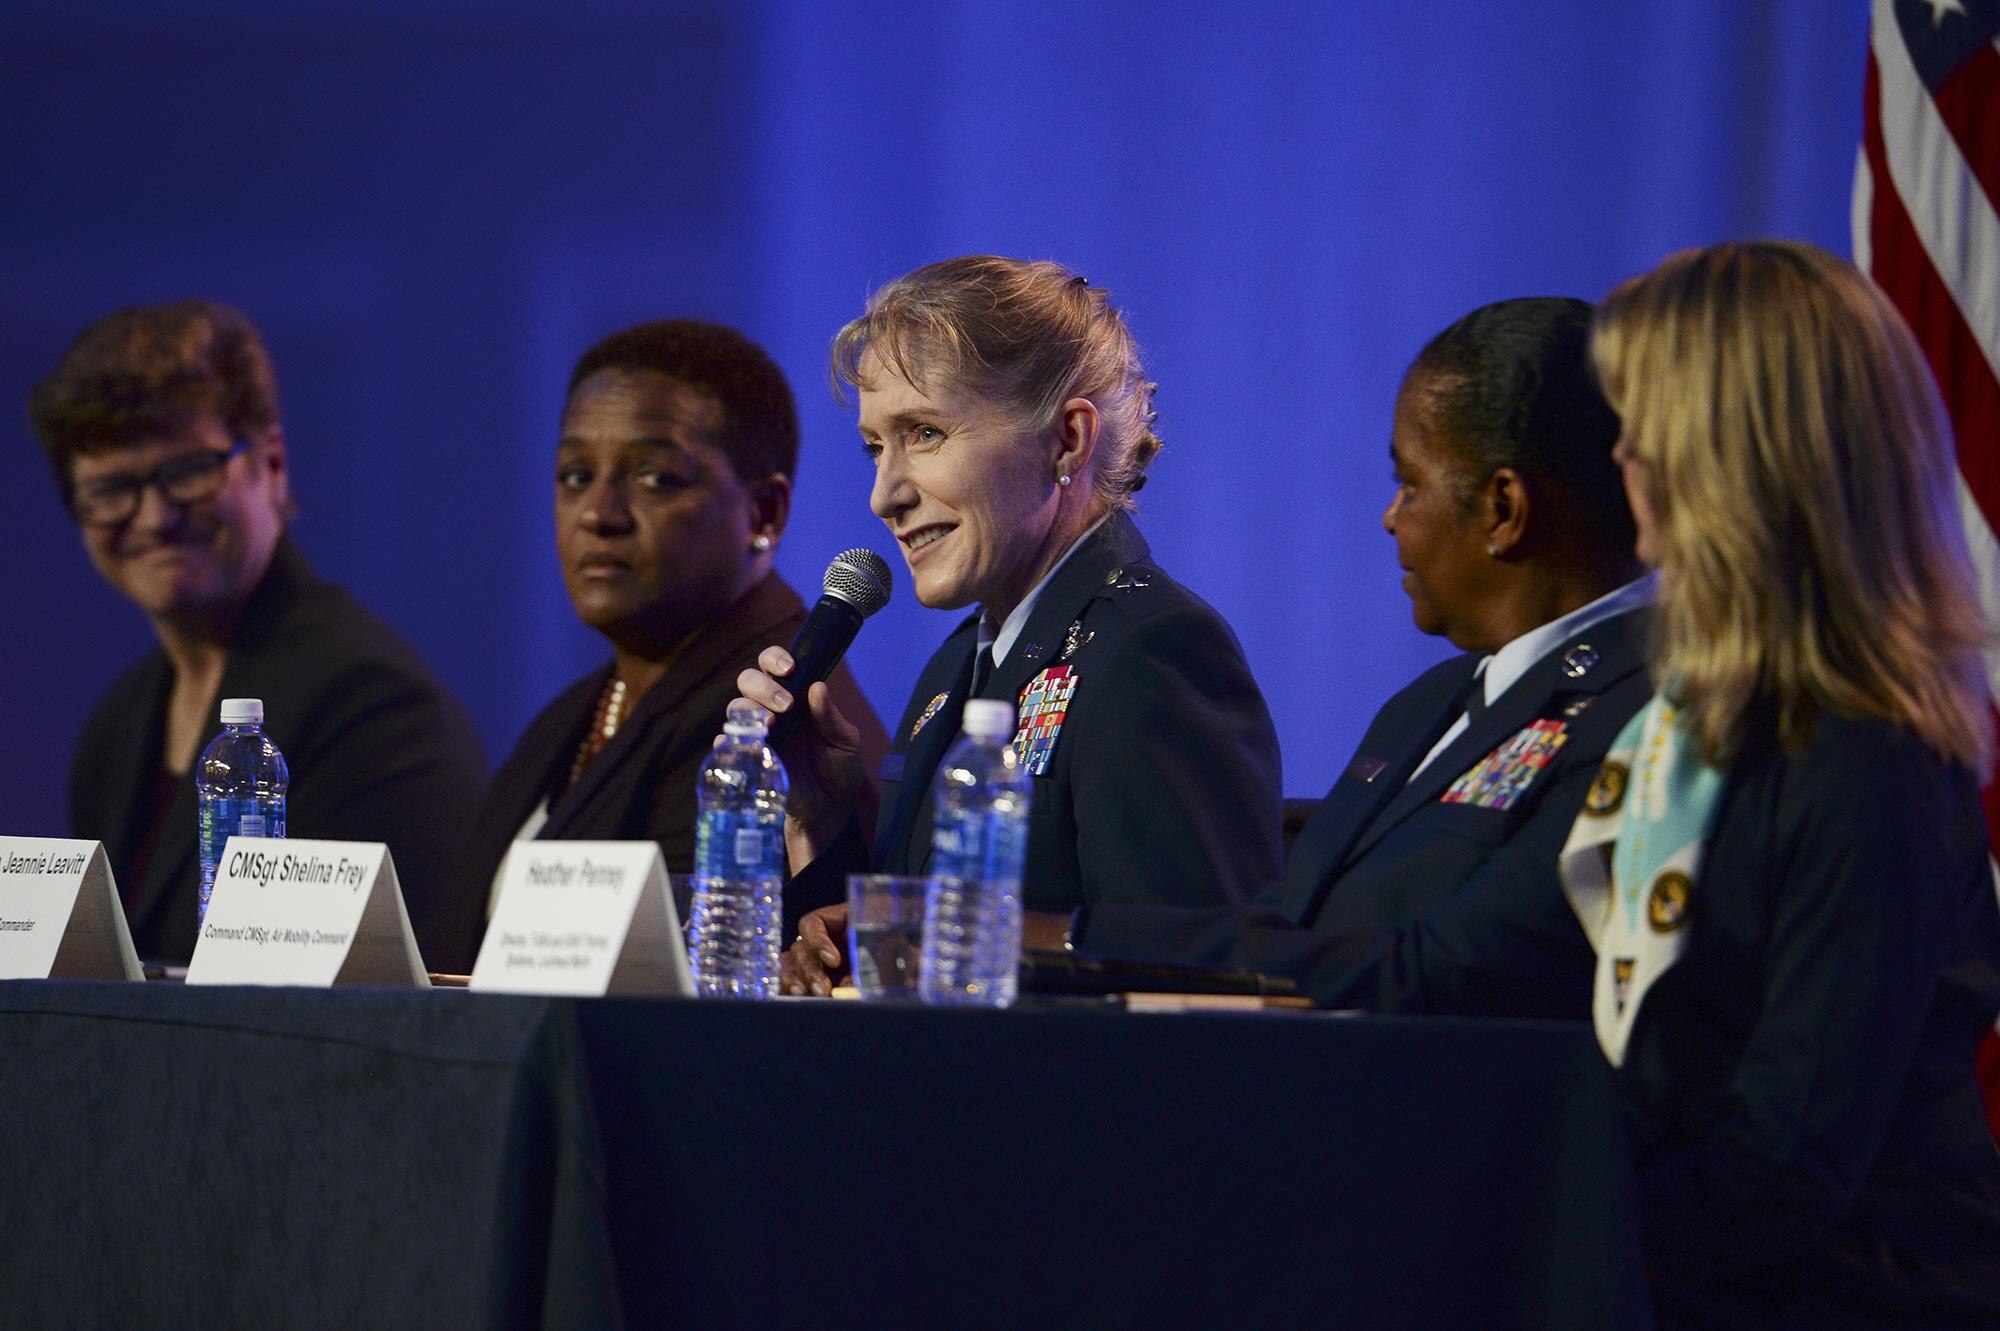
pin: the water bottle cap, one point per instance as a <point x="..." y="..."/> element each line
<point x="989" y="718"/>
<point x="747" y="720"/>
<point x="242" y="711"/>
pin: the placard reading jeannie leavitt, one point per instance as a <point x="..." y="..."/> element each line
<point x="310" y="913"/>
<point x="60" y="917"/>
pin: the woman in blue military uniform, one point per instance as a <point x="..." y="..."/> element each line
<point x="1783" y="865"/>
<point x="1425" y="882"/>
<point x="1008" y="416"/>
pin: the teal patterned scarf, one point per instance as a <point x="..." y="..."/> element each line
<point x="1633" y="858"/>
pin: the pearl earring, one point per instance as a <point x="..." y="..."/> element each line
<point x="1063" y="481"/>
<point x="760" y="542"/>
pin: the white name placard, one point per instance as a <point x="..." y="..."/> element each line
<point x="60" y="917"/>
<point x="310" y="913"/>
<point x="583" y="918"/>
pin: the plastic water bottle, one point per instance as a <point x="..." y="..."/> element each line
<point x="736" y="920"/>
<point x="979" y="842"/>
<point x="241" y="781"/>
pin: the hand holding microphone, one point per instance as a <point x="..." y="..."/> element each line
<point x="825" y="762"/>
<point x="856" y="585"/>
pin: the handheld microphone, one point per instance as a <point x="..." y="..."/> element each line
<point x="856" y="586"/>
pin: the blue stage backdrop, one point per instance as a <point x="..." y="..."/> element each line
<point x="431" y="206"/>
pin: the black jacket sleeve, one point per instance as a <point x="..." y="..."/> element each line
<point x="1871" y="873"/>
<point x="824" y="881"/>
<point x="386" y="758"/>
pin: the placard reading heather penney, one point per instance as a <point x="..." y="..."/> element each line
<point x="60" y="917"/>
<point x="583" y="918"/>
<point x="310" y="913"/>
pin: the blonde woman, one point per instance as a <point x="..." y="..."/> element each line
<point x="1783" y="864"/>
<point x="1006" y="414"/>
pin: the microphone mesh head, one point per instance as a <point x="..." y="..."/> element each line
<point x="861" y="578"/>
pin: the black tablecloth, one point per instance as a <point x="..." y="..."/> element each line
<point x="235" y="1157"/>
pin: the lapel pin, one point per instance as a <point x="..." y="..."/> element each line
<point x="930" y="710"/>
<point x="1075" y="638"/>
<point x="1579" y="660"/>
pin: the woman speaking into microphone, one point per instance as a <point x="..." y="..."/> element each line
<point x="1006" y="412"/>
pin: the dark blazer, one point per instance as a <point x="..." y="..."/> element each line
<point x="1811" y="1144"/>
<point x="377" y="748"/>
<point x="641" y="786"/>
<point x="1394" y="901"/>
<point x="1163" y="785"/>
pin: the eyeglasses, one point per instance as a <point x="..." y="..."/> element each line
<point x="110" y="500"/>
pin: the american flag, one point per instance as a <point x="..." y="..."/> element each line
<point x="1926" y="229"/>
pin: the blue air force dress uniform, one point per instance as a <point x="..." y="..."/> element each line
<point x="1154" y="762"/>
<point x="1431" y="886"/>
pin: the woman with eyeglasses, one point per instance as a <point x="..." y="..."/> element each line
<point x="161" y="424"/>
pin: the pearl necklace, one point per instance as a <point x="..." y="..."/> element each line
<point x="603" y="725"/>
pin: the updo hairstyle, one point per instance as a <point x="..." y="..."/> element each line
<point x="1029" y="336"/>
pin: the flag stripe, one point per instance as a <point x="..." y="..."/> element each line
<point x="1925" y="228"/>
<point x="1965" y="105"/>
<point x="1862" y="206"/>
<point x="1959" y="229"/>
<point x="1984" y="549"/>
<point x="1902" y="268"/>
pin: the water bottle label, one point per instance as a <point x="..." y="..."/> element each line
<point x="1006" y="849"/>
<point x="959" y="846"/>
<point x="704" y="844"/>
<point x="729" y="845"/>
<point x="221" y="819"/>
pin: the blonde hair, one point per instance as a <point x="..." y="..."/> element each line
<point x="1800" y="476"/>
<point x="1030" y="335"/>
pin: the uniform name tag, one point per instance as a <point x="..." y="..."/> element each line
<point x="60" y="917"/>
<point x="584" y="918"/>
<point x="310" y="913"/>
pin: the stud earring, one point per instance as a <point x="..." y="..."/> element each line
<point x="1493" y="549"/>
<point x="760" y="542"/>
<point x="1063" y="481"/>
